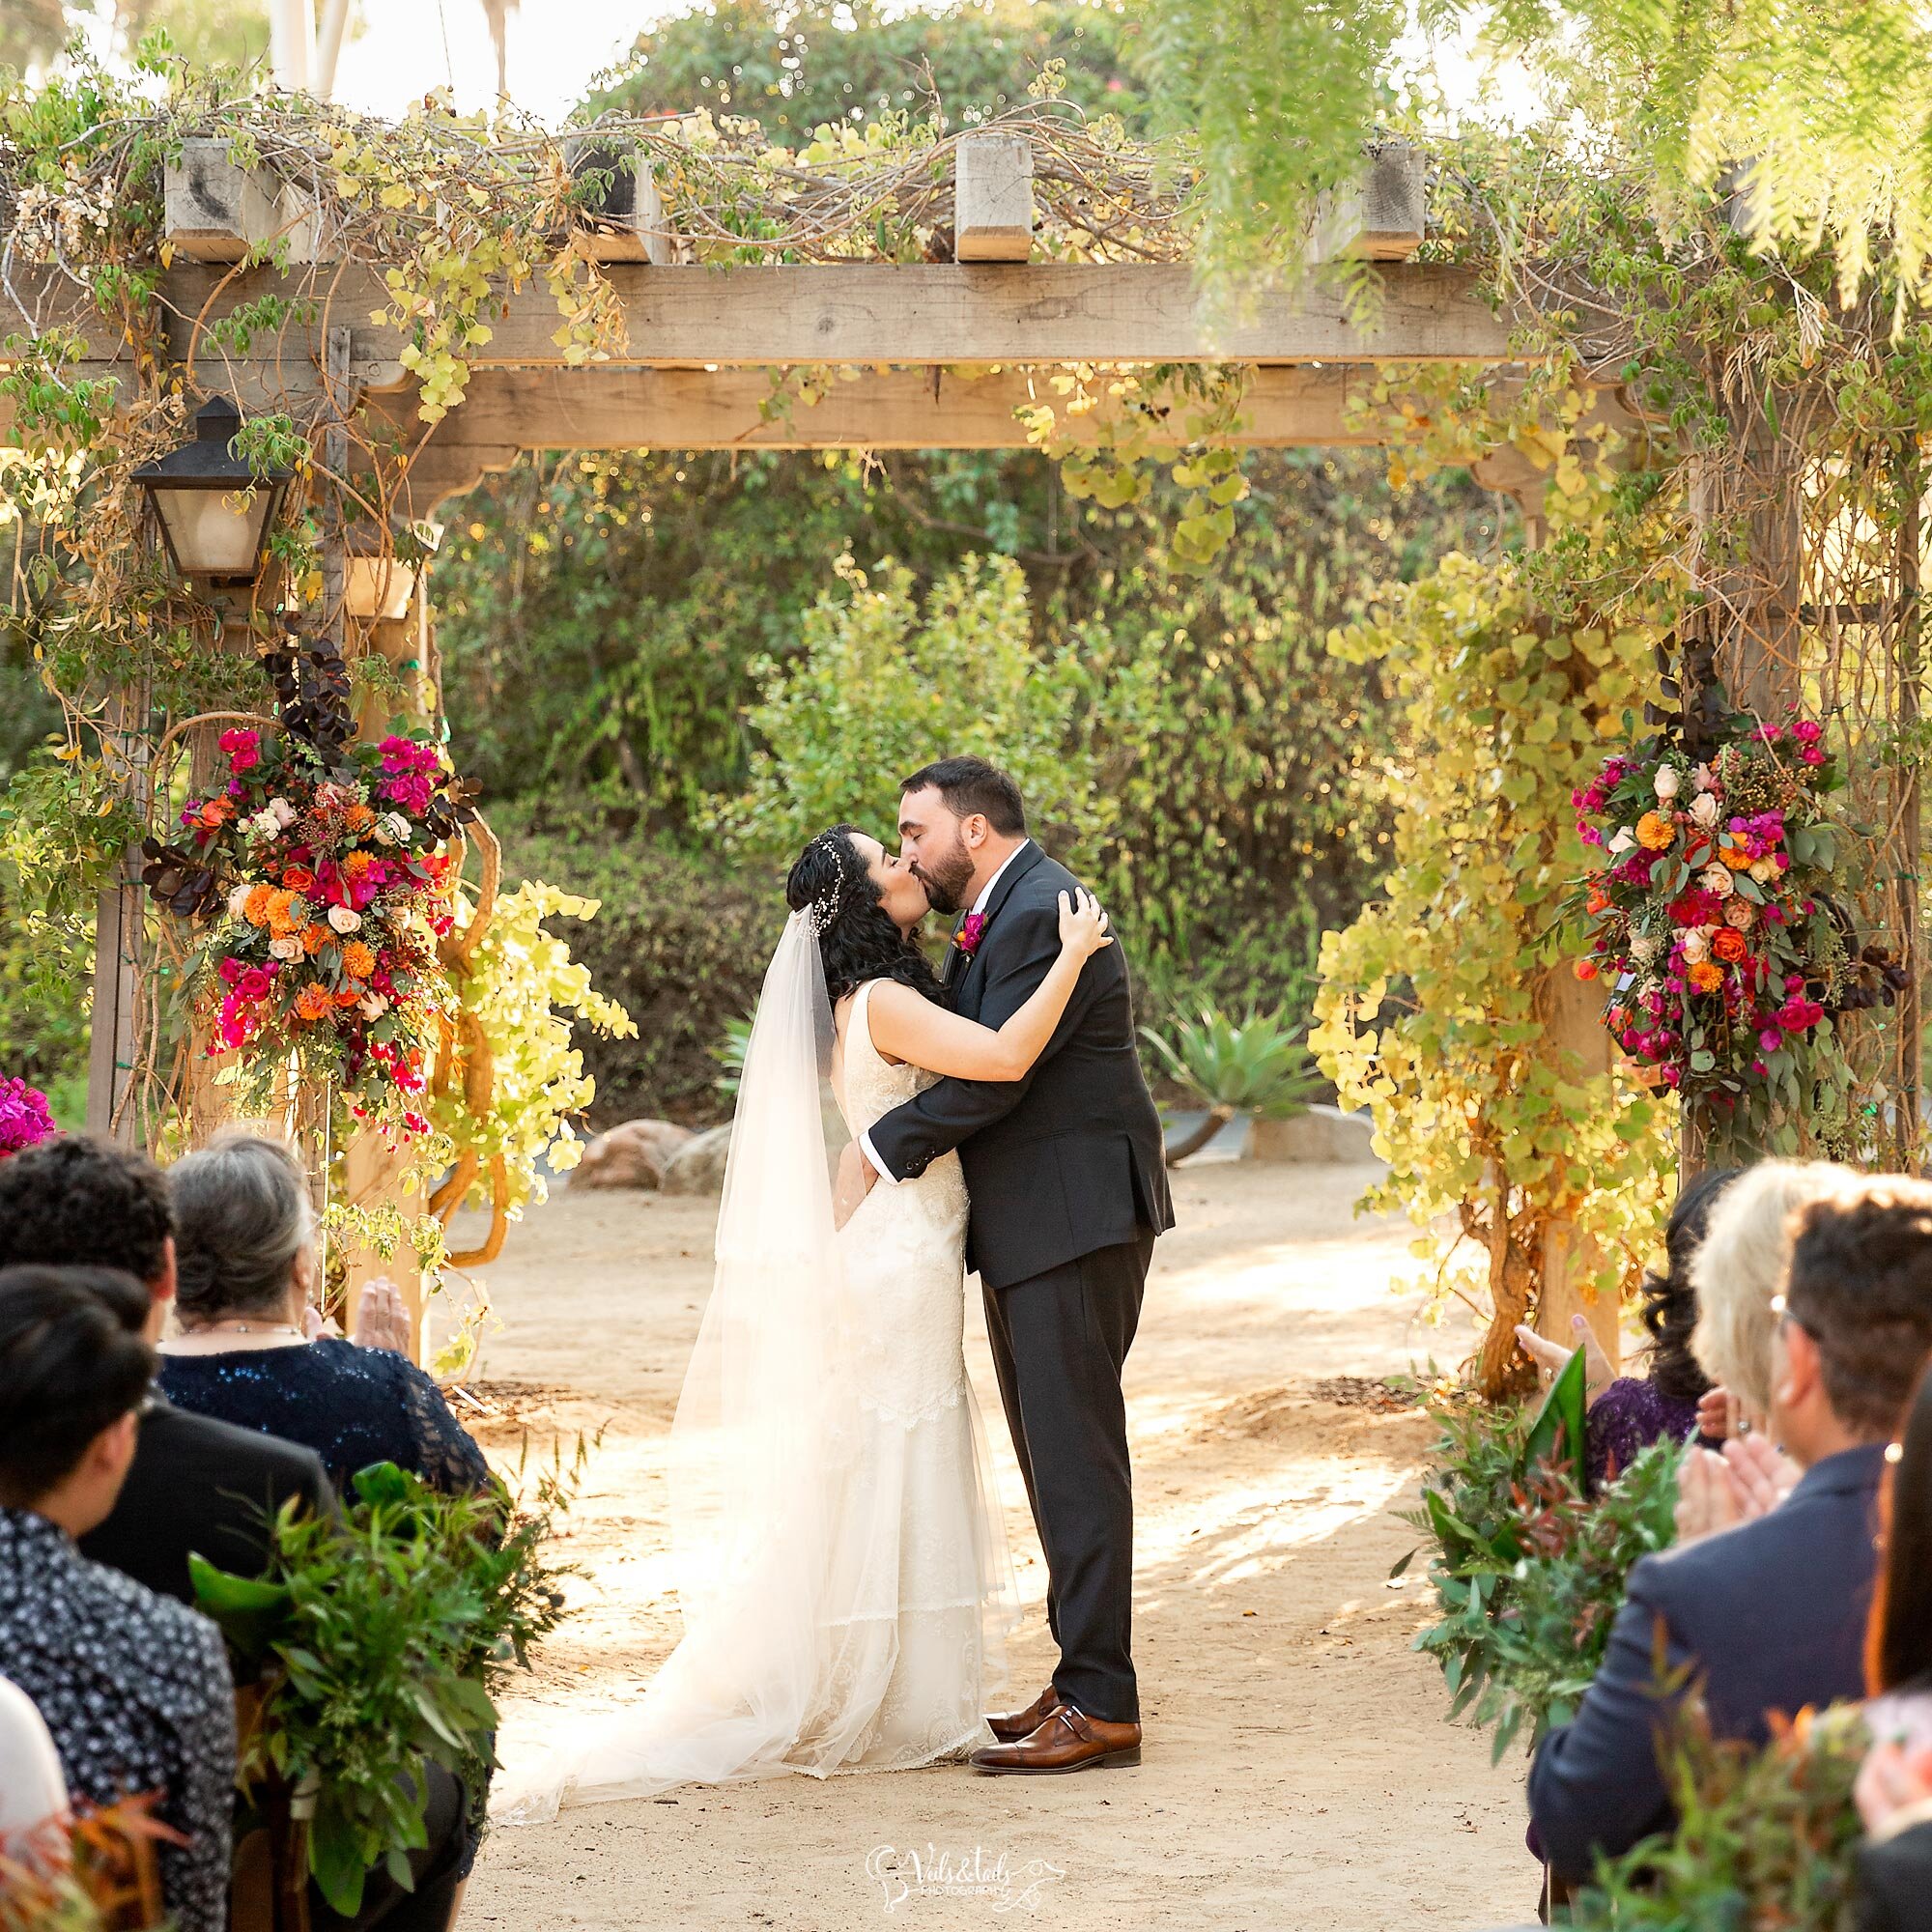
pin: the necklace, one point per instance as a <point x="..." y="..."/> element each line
<point x="247" y="1328"/>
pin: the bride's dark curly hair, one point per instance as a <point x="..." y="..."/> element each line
<point x="857" y="939"/>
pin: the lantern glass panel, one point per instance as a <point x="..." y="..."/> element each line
<point x="212" y="532"/>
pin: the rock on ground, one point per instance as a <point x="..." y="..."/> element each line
<point x="635" y="1155"/>
<point x="698" y="1165"/>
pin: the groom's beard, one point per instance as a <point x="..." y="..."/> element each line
<point x="946" y="882"/>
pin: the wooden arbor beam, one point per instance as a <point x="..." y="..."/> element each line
<point x="510" y="410"/>
<point x="865" y="312"/>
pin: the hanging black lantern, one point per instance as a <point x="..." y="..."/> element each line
<point x="214" y="511"/>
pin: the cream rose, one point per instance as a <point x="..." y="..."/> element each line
<point x="1763" y="870"/>
<point x="285" y="813"/>
<point x="238" y="902"/>
<point x="1643" y="946"/>
<point x="1718" y="879"/>
<point x="1704" y="811"/>
<point x="1666" y="781"/>
<point x="1622" y="841"/>
<point x="1742" y="914"/>
<point x="288" y="948"/>
<point x="343" y="919"/>
<point x="1697" y="945"/>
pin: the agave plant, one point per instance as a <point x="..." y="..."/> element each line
<point x="1256" y="1066"/>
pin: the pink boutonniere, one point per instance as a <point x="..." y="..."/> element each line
<point x="972" y="929"/>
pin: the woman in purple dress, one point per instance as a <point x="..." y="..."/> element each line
<point x="1628" y="1413"/>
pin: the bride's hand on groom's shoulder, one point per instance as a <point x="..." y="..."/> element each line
<point x="1083" y="925"/>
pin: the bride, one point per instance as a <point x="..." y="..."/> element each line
<point x="839" y="1560"/>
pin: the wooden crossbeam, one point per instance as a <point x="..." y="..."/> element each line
<point x="863" y="312"/>
<point x="509" y="410"/>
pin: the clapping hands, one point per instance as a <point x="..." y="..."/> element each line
<point x="382" y="1318"/>
<point x="1716" y="1492"/>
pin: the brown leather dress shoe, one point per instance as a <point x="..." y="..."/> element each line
<point x="1009" y="1730"/>
<point x="1068" y="1740"/>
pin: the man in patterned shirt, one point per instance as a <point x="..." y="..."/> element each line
<point x="133" y="1687"/>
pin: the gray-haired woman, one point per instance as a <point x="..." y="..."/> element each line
<point x="246" y="1267"/>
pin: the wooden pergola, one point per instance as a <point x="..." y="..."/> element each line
<point x="932" y="355"/>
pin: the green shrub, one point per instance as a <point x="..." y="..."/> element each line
<point x="1256" y="1066"/>
<point x="680" y="941"/>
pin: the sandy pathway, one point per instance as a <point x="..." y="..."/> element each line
<point x="1297" y="1772"/>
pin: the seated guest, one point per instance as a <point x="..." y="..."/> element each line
<point x="245" y="1269"/>
<point x="1769" y="1617"/>
<point x="134" y="1687"/>
<point x="1628" y="1413"/>
<point x="1894" y="1788"/>
<point x="1739" y="1269"/>
<point x="196" y="1484"/>
<point x="33" y="1793"/>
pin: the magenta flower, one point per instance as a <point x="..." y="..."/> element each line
<point x="24" y="1116"/>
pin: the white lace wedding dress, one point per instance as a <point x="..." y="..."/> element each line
<point x="845" y="1584"/>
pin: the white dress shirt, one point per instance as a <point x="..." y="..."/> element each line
<point x="978" y="906"/>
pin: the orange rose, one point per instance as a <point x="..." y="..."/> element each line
<point x="299" y="879"/>
<point x="359" y="961"/>
<point x="311" y="1003"/>
<point x="1587" y="969"/>
<point x="1735" y="857"/>
<point x="1598" y="899"/>
<point x="1728" y="943"/>
<point x="1706" y="977"/>
<point x="348" y="996"/>
<point x="256" y="911"/>
<point x="1654" y="832"/>
<point x="315" y="939"/>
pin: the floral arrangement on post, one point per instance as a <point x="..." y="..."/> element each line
<point x="1724" y="959"/>
<point x="322" y="866"/>
<point x="24" y="1116"/>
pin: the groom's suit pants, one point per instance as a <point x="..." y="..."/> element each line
<point x="1059" y="1340"/>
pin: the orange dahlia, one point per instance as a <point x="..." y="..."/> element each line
<point x="315" y="939"/>
<point x="359" y="961"/>
<point x="360" y="818"/>
<point x="1654" y="832"/>
<point x="1735" y="857"/>
<point x="1706" y="977"/>
<point x="256" y="911"/>
<point x="1728" y="943"/>
<point x="311" y="1003"/>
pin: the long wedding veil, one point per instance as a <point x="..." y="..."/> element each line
<point x="755" y="1452"/>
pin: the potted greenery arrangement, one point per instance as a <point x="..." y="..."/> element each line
<point x="369" y="1646"/>
<point x="1528" y="1572"/>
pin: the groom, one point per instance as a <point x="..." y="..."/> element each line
<point x="1069" y="1191"/>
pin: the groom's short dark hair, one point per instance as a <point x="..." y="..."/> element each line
<point x="969" y="785"/>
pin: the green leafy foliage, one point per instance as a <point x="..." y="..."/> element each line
<point x="376" y="1643"/>
<point x="1763" y="1838"/>
<point x="1528" y="1573"/>
<point x="680" y="941"/>
<point x="1258" y="1064"/>
<point x="886" y="682"/>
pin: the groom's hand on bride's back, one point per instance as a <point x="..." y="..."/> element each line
<point x="857" y="1178"/>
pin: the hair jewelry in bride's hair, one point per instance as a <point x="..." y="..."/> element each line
<point x="822" y="908"/>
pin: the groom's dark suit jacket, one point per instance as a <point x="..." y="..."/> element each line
<point x="1069" y="1159"/>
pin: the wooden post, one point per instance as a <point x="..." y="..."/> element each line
<point x="1574" y="1039"/>
<point x="1907" y="832"/>
<point x="992" y="198"/>
<point x="113" y="1110"/>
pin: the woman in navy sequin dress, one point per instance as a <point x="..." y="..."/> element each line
<point x="1628" y="1413"/>
<point x="245" y="1251"/>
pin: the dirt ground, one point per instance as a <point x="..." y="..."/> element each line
<point x="1297" y="1769"/>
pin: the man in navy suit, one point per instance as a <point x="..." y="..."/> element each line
<point x="1769" y="1615"/>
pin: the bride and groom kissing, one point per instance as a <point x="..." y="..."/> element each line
<point x="839" y="1553"/>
